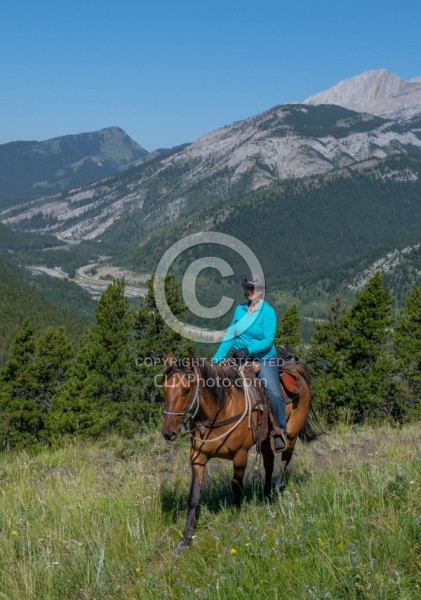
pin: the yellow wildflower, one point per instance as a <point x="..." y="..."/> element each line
<point x="137" y="570"/>
<point x="14" y="532"/>
<point x="321" y="542"/>
<point x="233" y="551"/>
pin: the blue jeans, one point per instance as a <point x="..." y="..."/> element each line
<point x="269" y="376"/>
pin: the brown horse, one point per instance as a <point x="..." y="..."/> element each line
<point x="211" y="401"/>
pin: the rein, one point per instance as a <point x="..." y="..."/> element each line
<point x="210" y="423"/>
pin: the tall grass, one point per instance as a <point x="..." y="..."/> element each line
<point x="105" y="521"/>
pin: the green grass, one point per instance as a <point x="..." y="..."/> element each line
<point x="104" y="520"/>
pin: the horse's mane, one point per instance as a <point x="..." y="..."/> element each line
<point x="217" y="379"/>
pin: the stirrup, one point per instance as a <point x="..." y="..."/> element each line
<point x="280" y="444"/>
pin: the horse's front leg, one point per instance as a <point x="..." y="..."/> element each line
<point x="198" y="465"/>
<point x="268" y="462"/>
<point x="240" y="464"/>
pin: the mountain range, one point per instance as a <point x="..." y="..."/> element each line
<point x="336" y="178"/>
<point x="288" y="141"/>
<point x="34" y="169"/>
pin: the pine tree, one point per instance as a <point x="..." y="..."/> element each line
<point x="14" y="412"/>
<point x="353" y="369"/>
<point x="154" y="339"/>
<point x="369" y="319"/>
<point x="21" y="351"/>
<point x="99" y="395"/>
<point x="408" y="351"/>
<point x="53" y="354"/>
<point x="288" y="333"/>
<point x="32" y="375"/>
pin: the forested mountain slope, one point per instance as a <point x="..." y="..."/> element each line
<point x="15" y="241"/>
<point x="20" y="300"/>
<point x="323" y="229"/>
<point x="33" y="169"/>
<point x="288" y="141"/>
<point x="319" y="193"/>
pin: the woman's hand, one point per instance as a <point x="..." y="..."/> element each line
<point x="240" y="354"/>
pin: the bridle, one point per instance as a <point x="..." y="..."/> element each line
<point x="192" y="408"/>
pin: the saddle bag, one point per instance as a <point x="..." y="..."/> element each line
<point x="290" y="381"/>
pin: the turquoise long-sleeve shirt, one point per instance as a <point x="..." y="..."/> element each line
<point x="256" y="332"/>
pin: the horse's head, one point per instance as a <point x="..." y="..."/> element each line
<point x="180" y="388"/>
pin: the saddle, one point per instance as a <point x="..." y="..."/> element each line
<point x="291" y="386"/>
<point x="289" y="378"/>
<point x="260" y="403"/>
<point x="266" y="421"/>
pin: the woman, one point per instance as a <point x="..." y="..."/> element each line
<point x="251" y="334"/>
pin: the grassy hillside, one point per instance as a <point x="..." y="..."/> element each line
<point x="105" y="520"/>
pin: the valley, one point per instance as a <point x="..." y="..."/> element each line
<point x="95" y="284"/>
<point x="324" y="192"/>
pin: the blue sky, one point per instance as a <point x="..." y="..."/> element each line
<point x="168" y="72"/>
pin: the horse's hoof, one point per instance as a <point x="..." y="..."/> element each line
<point x="183" y="545"/>
<point x="187" y="540"/>
<point x="279" y="487"/>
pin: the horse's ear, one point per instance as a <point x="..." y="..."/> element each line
<point x="190" y="359"/>
<point x="169" y="360"/>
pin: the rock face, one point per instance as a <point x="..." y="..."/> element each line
<point x="376" y="92"/>
<point x="289" y="141"/>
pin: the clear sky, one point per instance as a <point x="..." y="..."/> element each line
<point x="169" y="71"/>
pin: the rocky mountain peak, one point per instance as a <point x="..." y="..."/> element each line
<point x="378" y="92"/>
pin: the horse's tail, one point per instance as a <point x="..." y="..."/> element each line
<point x="312" y="428"/>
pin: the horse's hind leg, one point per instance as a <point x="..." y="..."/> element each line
<point x="268" y="462"/>
<point x="240" y="463"/>
<point x="198" y="474"/>
<point x="280" y="480"/>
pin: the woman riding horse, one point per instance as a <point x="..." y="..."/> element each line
<point x="211" y="402"/>
<point x="251" y="334"/>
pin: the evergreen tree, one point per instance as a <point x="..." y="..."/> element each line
<point x="53" y="354"/>
<point x="288" y="333"/>
<point x="32" y="375"/>
<point x="154" y="338"/>
<point x="408" y="350"/>
<point x="350" y="359"/>
<point x="21" y="352"/>
<point x="368" y="320"/>
<point x="99" y="395"/>
<point x="14" y="412"/>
